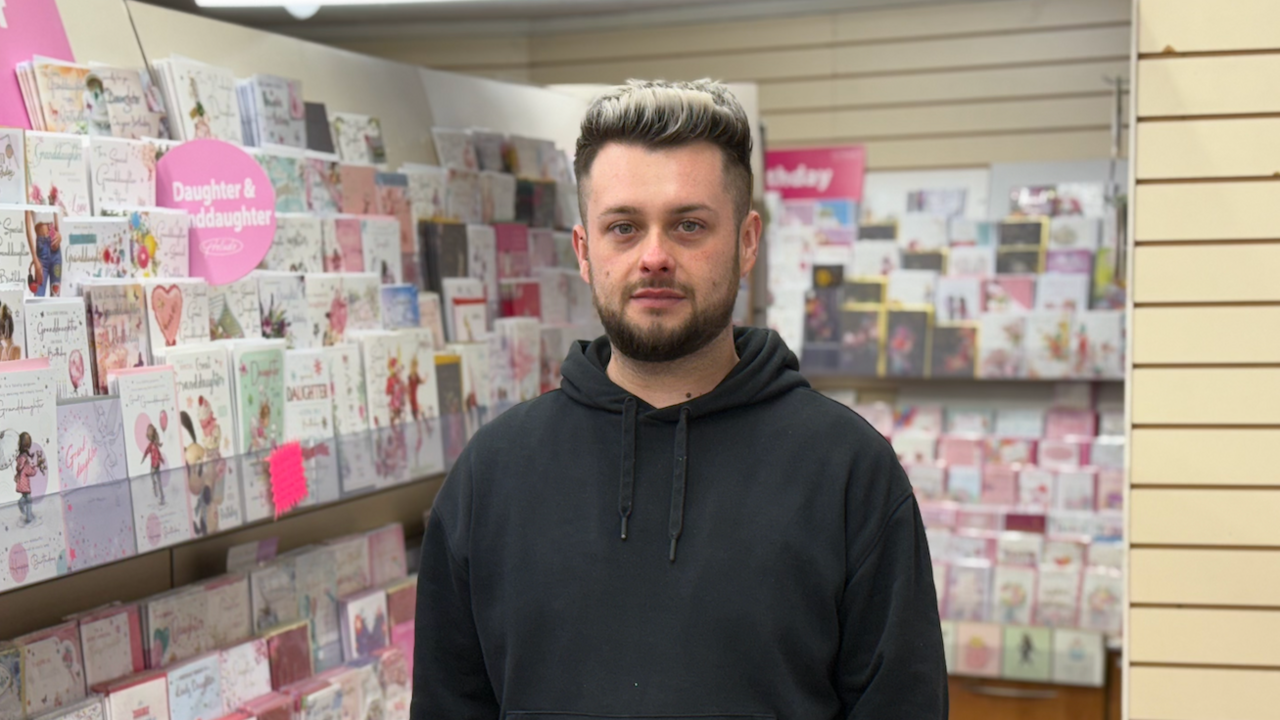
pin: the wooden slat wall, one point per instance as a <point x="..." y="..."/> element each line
<point x="924" y="87"/>
<point x="1204" y="519"/>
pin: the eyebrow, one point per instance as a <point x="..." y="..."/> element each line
<point x="682" y="210"/>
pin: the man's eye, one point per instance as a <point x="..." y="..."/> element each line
<point x="624" y="228"/>
<point x="690" y="226"/>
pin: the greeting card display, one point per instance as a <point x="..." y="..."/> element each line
<point x="122" y="173"/>
<point x="112" y="642"/>
<point x="57" y="173"/>
<point x="234" y="310"/>
<point x="364" y="623"/>
<point x="296" y="247"/>
<point x="202" y="98"/>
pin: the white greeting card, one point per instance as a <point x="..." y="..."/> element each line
<point x="1079" y="657"/>
<point x="912" y="287"/>
<point x="1058" y="598"/>
<point x="1102" y="600"/>
<point x="922" y="231"/>
<point x="872" y="258"/>
<point x="1001" y="345"/>
<point x="146" y="698"/>
<point x="364" y="301"/>
<point x="350" y="413"/>
<point x="94" y="248"/>
<point x="56" y="329"/>
<point x="1074" y="232"/>
<point x="282" y="306"/>
<point x="244" y="673"/>
<point x="159" y="243"/>
<point x="234" y="310"/>
<point x="195" y="690"/>
<point x="112" y="642"/>
<point x="957" y="299"/>
<point x="207" y="105"/>
<point x="122" y="173"/>
<point x="1065" y="292"/>
<point x="13" y="167"/>
<point x="177" y="312"/>
<point x="296" y="247"/>
<point x="1048" y="344"/>
<point x="28" y="435"/>
<point x="380" y="242"/>
<point x="465" y="309"/>
<point x="279" y="113"/>
<point x="327" y="310"/>
<point x="308" y="406"/>
<point x="57" y="173"/>
<point x="135" y="107"/>
<point x="357" y="138"/>
<point x="1014" y="594"/>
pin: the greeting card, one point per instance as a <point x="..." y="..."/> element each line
<point x="359" y="189"/>
<point x="195" y="690"/>
<point x="999" y="484"/>
<point x="523" y="340"/>
<point x="1058" y="598"/>
<point x="176" y="626"/>
<point x="28" y="440"/>
<point x="1035" y="487"/>
<point x="273" y="595"/>
<point x="13" y="167"/>
<point x="1102" y="600"/>
<point x="319" y="700"/>
<point x="205" y="102"/>
<point x="177" y="312"/>
<point x="964" y="482"/>
<point x="159" y="243"/>
<point x="284" y="168"/>
<point x="428" y="191"/>
<point x="289" y="651"/>
<point x="316" y="581"/>
<point x="465" y="309"/>
<point x="53" y="676"/>
<point x="1079" y="657"/>
<point x="122" y="173"/>
<point x="258" y="369"/>
<point x="1062" y="292"/>
<point x="134" y="105"/>
<point x="234" y="310"/>
<point x="357" y="138"/>
<point x="1069" y="262"/>
<point x="497" y="197"/>
<point x="1027" y="654"/>
<point x="1014" y="595"/>
<point x="57" y="174"/>
<point x="380" y="246"/>
<point x="906" y="342"/>
<point x="455" y="149"/>
<point x="112" y="642"/>
<point x="395" y="674"/>
<point x="342" y="245"/>
<point x="351" y="558"/>
<point x="876" y="257"/>
<point x="244" y="673"/>
<point x="364" y="623"/>
<point x="978" y="649"/>
<point x="431" y="317"/>
<point x="364" y="301"/>
<point x="279" y="116"/>
<point x="90" y="442"/>
<point x="1099" y="344"/>
<point x="144" y="696"/>
<point x="11" y="682"/>
<point x="1001" y="342"/>
<point x="956" y="298"/>
<point x="928" y="481"/>
<point x="206" y="415"/>
<point x="953" y="351"/>
<point x="153" y="455"/>
<point x="323" y="181"/>
<point x="1048" y="344"/>
<point x="100" y="523"/>
<point x="949" y="641"/>
<point x="922" y="231"/>
<point x="93" y="248"/>
<point x="1075" y="232"/>
<point x="327" y="311"/>
<point x="56" y="329"/>
<point x="393" y="199"/>
<point x="400" y="307"/>
<point x="308" y="406"/>
<point x="283" y="309"/>
<point x="463" y="196"/>
<point x="386" y="554"/>
<point x="272" y="706"/>
<point x="296" y="247"/>
<point x="971" y="262"/>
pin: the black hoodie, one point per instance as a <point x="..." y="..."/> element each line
<point x="752" y="553"/>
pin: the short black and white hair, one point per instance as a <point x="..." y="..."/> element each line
<point x="661" y="114"/>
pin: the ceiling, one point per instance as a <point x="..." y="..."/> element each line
<point x="437" y="18"/>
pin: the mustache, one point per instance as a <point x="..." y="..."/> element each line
<point x="668" y="283"/>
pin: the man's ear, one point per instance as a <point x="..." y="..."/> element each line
<point x="749" y="241"/>
<point x="580" y="249"/>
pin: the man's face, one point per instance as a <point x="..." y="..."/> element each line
<point x="665" y="250"/>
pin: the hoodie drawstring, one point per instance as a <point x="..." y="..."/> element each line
<point x="676" y="523"/>
<point x="626" y="491"/>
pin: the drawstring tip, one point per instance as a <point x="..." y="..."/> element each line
<point x="672" y="556"/>
<point x="624" y="527"/>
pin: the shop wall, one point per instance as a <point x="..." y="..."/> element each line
<point x="929" y="86"/>
<point x="1205" y="484"/>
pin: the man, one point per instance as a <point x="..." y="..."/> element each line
<point x="686" y="529"/>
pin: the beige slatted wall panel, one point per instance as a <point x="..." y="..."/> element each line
<point x="1204" y="499"/>
<point x="952" y="85"/>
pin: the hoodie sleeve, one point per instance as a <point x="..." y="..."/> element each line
<point x="891" y="661"/>
<point x="450" y="681"/>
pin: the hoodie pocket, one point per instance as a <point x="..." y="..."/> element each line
<point x="543" y="715"/>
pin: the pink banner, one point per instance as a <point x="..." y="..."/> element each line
<point x="231" y="203"/>
<point x="816" y="173"/>
<point x="27" y="28"/>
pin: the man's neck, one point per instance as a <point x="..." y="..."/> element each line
<point x="671" y="383"/>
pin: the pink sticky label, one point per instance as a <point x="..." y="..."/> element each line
<point x="27" y="28"/>
<point x="819" y="173"/>
<point x="288" y="477"/>
<point x="231" y="204"/>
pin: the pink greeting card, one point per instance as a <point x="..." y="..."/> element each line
<point x="1000" y="485"/>
<point x="112" y="642"/>
<point x="979" y="648"/>
<point x="960" y="450"/>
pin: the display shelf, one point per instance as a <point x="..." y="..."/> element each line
<point x="40" y="605"/>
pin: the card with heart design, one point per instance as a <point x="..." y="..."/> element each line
<point x="177" y="312"/>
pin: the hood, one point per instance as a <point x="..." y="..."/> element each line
<point x="765" y="369"/>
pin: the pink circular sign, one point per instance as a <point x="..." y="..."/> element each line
<point x="231" y="203"/>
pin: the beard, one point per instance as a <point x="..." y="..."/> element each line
<point x="652" y="341"/>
